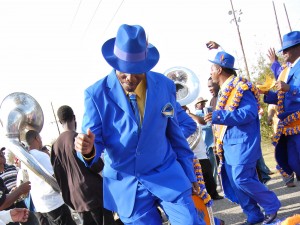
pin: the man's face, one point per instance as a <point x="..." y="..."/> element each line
<point x="129" y="81"/>
<point x="291" y="54"/>
<point x="213" y="88"/>
<point x="200" y="105"/>
<point x="214" y="73"/>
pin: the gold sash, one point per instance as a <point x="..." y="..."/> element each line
<point x="283" y="75"/>
<point x="221" y="129"/>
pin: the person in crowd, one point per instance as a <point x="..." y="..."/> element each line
<point x="208" y="129"/>
<point x="81" y="186"/>
<point x="277" y="68"/>
<point x="238" y="142"/>
<point x="14" y="215"/>
<point x="214" y="90"/>
<point x="200" y="105"/>
<point x="130" y="115"/>
<point x="46" y="200"/>
<point x="262" y="169"/>
<point x="287" y="137"/>
<point x="9" y="173"/>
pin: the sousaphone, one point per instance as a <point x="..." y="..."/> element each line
<point x="19" y="112"/>
<point x="187" y="90"/>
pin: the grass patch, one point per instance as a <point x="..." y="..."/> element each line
<point x="268" y="153"/>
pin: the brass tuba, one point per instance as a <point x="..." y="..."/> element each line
<point x="187" y="90"/>
<point x="19" y="112"/>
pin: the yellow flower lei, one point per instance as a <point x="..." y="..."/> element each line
<point x="241" y="84"/>
<point x="203" y="192"/>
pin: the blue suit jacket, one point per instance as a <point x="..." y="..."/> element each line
<point x="159" y="157"/>
<point x="241" y="142"/>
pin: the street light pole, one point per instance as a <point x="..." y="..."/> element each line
<point x="278" y="29"/>
<point x="287" y="16"/>
<point x="238" y="30"/>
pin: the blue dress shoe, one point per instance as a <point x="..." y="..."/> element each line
<point x="269" y="218"/>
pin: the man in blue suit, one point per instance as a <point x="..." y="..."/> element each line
<point x="130" y="115"/>
<point x="287" y="99"/>
<point x="238" y="142"/>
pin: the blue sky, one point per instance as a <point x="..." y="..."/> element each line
<point x="51" y="49"/>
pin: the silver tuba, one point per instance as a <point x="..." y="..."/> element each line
<point x="19" y="112"/>
<point x="187" y="90"/>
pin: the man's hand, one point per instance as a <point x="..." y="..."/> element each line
<point x="24" y="188"/>
<point x="208" y="117"/>
<point x="196" y="188"/>
<point x="19" y="214"/>
<point x="212" y="45"/>
<point x="282" y="86"/>
<point x="84" y="142"/>
<point x="272" y="55"/>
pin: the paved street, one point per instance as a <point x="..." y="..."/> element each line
<point x="289" y="197"/>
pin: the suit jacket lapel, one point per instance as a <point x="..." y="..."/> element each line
<point x="116" y="93"/>
<point x="151" y="95"/>
<point x="293" y="70"/>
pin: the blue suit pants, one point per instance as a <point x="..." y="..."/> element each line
<point x="288" y="151"/>
<point x="251" y="192"/>
<point x="180" y="211"/>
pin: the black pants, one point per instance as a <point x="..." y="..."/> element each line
<point x="98" y="216"/>
<point x="60" y="216"/>
<point x="41" y="218"/>
<point x="208" y="177"/>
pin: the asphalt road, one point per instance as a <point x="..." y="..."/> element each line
<point x="290" y="203"/>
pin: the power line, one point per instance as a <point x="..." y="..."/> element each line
<point x="113" y="16"/>
<point x="76" y="13"/>
<point x="92" y="18"/>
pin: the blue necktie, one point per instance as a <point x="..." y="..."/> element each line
<point x="134" y="105"/>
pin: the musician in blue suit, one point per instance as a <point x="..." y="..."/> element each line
<point x="238" y="142"/>
<point x="130" y="115"/>
<point x="287" y="98"/>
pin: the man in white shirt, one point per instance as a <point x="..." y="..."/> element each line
<point x="45" y="199"/>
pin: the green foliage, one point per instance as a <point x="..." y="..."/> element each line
<point x="265" y="129"/>
<point x="263" y="69"/>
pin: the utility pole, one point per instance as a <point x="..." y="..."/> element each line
<point x="287" y="17"/>
<point x="278" y="29"/>
<point x="55" y="118"/>
<point x="241" y="42"/>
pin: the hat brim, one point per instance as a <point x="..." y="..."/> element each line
<point x="288" y="46"/>
<point x="201" y="101"/>
<point x="232" y="68"/>
<point x="129" y="67"/>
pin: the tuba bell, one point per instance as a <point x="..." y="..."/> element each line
<point x="20" y="112"/>
<point x="187" y="90"/>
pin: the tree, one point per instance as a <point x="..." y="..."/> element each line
<point x="262" y="70"/>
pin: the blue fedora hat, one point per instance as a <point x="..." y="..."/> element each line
<point x="290" y="39"/>
<point x="224" y="59"/>
<point x="129" y="51"/>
